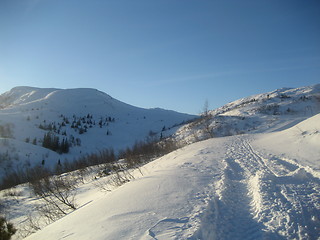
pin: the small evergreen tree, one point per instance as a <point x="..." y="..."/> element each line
<point x="6" y="229"/>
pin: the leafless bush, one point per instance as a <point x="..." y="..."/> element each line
<point x="31" y="225"/>
<point x="104" y="156"/>
<point x="207" y="128"/>
<point x="120" y="175"/>
<point x="143" y="152"/>
<point x="20" y="175"/>
<point x="113" y="174"/>
<point x="120" y="172"/>
<point x="58" y="192"/>
<point x="57" y="195"/>
<point x="102" y="184"/>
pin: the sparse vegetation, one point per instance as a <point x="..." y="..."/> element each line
<point x="143" y="152"/>
<point x="269" y="109"/>
<point x="57" y="191"/>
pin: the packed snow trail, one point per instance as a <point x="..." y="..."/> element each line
<point x="261" y="198"/>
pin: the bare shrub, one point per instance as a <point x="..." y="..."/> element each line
<point x="121" y="174"/>
<point x="113" y="174"/>
<point x="104" y="156"/>
<point x="58" y="192"/>
<point x="143" y="152"/>
<point x="32" y="225"/>
<point x="57" y="195"/>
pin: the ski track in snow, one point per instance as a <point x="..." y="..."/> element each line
<point x="260" y="198"/>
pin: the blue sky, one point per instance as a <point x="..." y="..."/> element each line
<point x="173" y="54"/>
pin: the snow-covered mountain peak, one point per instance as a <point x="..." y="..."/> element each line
<point x="24" y="95"/>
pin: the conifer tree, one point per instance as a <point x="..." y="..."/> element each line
<point x="6" y="229"/>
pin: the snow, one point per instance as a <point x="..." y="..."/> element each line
<point x="261" y="113"/>
<point x="168" y="190"/>
<point x="261" y="184"/>
<point x="222" y="188"/>
<point x="301" y="142"/>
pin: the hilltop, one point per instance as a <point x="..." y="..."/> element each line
<point x="47" y="126"/>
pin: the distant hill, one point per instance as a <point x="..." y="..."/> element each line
<point x="47" y="125"/>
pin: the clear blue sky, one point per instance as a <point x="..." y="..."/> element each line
<point x="172" y="54"/>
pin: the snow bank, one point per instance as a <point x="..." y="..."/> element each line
<point x="299" y="144"/>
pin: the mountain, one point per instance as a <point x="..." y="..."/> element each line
<point x="267" y="112"/>
<point x="49" y="126"/>
<point x="262" y="182"/>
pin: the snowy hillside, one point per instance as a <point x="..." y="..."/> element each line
<point x="266" y="112"/>
<point x="262" y="182"/>
<point x="80" y="122"/>
<point x="237" y="187"/>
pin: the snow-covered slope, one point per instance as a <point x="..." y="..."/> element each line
<point x="238" y="187"/>
<point x="265" y="112"/>
<point x="301" y="142"/>
<point x="88" y="119"/>
<point x="263" y="185"/>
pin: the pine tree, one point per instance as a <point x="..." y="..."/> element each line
<point x="6" y="229"/>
